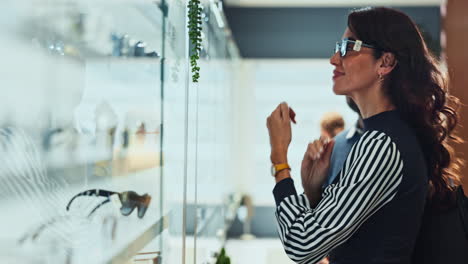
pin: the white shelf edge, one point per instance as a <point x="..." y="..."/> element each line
<point x="139" y="243"/>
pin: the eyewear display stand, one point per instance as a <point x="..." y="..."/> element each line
<point x="99" y="108"/>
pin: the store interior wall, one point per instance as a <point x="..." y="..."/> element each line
<point x="308" y="32"/>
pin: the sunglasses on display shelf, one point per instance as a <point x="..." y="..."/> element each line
<point x="129" y="200"/>
<point x="349" y="44"/>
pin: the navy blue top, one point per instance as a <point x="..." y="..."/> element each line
<point x="372" y="211"/>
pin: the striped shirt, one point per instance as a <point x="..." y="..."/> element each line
<point x="369" y="180"/>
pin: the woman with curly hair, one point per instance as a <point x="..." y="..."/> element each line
<point x="372" y="211"/>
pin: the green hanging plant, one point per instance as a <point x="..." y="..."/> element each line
<point x="223" y="258"/>
<point x="195" y="28"/>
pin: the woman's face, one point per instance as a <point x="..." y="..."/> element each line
<point x="355" y="72"/>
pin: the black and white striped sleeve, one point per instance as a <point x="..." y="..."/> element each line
<point x="368" y="180"/>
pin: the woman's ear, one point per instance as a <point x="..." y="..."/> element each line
<point x="388" y="63"/>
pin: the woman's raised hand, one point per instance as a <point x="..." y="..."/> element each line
<point x="279" y="129"/>
<point x="315" y="165"/>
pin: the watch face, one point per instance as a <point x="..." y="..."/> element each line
<point x="273" y="170"/>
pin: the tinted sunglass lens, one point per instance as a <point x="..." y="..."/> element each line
<point x="142" y="211"/>
<point x="126" y="210"/>
<point x="344" y="46"/>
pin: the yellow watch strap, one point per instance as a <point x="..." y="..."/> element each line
<point x="282" y="166"/>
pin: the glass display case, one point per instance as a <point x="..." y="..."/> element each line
<point x="214" y="166"/>
<point x="110" y="154"/>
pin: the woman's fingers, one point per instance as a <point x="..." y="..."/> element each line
<point x="325" y="140"/>
<point x="313" y="151"/>
<point x="319" y="146"/>
<point x="284" y="111"/>
<point x="317" y="149"/>
<point x="276" y="113"/>
<point x="310" y="154"/>
<point x="328" y="149"/>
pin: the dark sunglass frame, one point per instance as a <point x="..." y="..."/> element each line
<point x="343" y="47"/>
<point x="129" y="201"/>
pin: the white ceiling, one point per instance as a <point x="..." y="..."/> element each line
<point x="330" y="3"/>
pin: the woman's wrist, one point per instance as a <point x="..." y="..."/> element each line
<point x="279" y="156"/>
<point x="284" y="174"/>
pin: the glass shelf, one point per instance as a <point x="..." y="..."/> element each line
<point x="95" y="29"/>
<point x="98" y="97"/>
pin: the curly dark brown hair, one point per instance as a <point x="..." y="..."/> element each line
<point x="419" y="89"/>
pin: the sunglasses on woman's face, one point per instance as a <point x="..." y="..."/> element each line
<point x="129" y="200"/>
<point x="348" y="44"/>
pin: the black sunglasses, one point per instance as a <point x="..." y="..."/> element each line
<point x="348" y="44"/>
<point x="129" y="201"/>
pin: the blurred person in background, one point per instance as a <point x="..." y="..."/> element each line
<point x="331" y="124"/>
<point x="344" y="141"/>
<point x="372" y="211"/>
